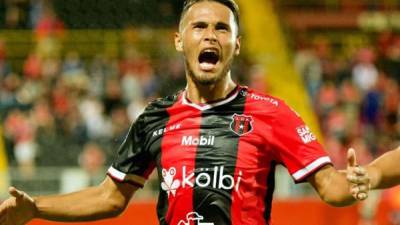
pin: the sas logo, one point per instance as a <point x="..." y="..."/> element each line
<point x="241" y="124"/>
<point x="305" y="134"/>
<point x="195" y="217"/>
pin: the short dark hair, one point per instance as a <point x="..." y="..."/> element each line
<point x="231" y="4"/>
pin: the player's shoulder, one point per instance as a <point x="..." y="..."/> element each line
<point x="162" y="104"/>
<point x="266" y="101"/>
<point x="156" y="110"/>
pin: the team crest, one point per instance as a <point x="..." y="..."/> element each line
<point x="241" y="124"/>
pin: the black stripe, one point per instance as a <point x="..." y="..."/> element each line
<point x="157" y="117"/>
<point x="270" y="192"/>
<point x="214" y="203"/>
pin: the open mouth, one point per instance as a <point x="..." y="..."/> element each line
<point x="208" y="58"/>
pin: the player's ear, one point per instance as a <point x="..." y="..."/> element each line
<point x="237" y="45"/>
<point x="178" y="42"/>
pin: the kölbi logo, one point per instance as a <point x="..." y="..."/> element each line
<point x="201" y="141"/>
<point x="205" y="177"/>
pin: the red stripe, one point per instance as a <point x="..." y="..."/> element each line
<point x="248" y="201"/>
<point x="173" y="154"/>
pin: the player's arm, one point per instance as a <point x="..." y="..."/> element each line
<point x="305" y="158"/>
<point x="333" y="186"/>
<point x="106" y="200"/>
<point x="384" y="172"/>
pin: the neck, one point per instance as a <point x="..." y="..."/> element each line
<point x="198" y="93"/>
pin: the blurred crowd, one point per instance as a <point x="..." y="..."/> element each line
<point x="91" y="14"/>
<point x="60" y="109"/>
<point x="355" y="93"/>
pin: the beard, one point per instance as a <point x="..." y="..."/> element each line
<point x="205" y="79"/>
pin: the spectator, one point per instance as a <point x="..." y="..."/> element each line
<point x="92" y="160"/>
<point x="20" y="130"/>
<point x="33" y="66"/>
<point x="5" y="68"/>
<point x="365" y="73"/>
<point x="48" y="25"/>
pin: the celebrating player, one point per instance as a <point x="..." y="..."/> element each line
<point x="215" y="145"/>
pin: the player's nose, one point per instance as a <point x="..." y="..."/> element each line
<point x="210" y="35"/>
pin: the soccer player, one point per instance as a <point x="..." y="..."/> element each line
<point x="215" y="145"/>
<point x="383" y="172"/>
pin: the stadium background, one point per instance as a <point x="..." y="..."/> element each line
<point x="74" y="75"/>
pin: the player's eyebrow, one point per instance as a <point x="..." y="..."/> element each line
<point x="205" y="24"/>
<point x="199" y="23"/>
<point x="223" y="25"/>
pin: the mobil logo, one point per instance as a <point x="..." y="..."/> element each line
<point x="198" y="141"/>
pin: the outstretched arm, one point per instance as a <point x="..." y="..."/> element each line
<point x="384" y="172"/>
<point x="333" y="187"/>
<point x="107" y="200"/>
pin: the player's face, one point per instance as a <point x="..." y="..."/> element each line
<point x="208" y="39"/>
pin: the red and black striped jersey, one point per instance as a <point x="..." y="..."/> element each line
<point x="216" y="161"/>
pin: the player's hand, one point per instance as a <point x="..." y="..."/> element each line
<point x="19" y="209"/>
<point x="357" y="176"/>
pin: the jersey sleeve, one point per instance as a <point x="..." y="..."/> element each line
<point x="134" y="163"/>
<point x="297" y="147"/>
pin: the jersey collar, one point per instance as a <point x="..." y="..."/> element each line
<point x="205" y="106"/>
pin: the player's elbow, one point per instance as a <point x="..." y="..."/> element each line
<point x="115" y="208"/>
<point x="332" y="187"/>
<point x="337" y="200"/>
<point x="113" y="204"/>
<point x="335" y="195"/>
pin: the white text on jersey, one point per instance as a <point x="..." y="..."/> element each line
<point x="166" y="129"/>
<point x="305" y="134"/>
<point x="200" y="141"/>
<point x="264" y="98"/>
<point x="205" y="177"/>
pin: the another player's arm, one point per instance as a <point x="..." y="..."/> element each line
<point x="107" y="200"/>
<point x="384" y="172"/>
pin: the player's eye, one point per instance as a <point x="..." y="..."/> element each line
<point x="199" y="25"/>
<point x="222" y="27"/>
